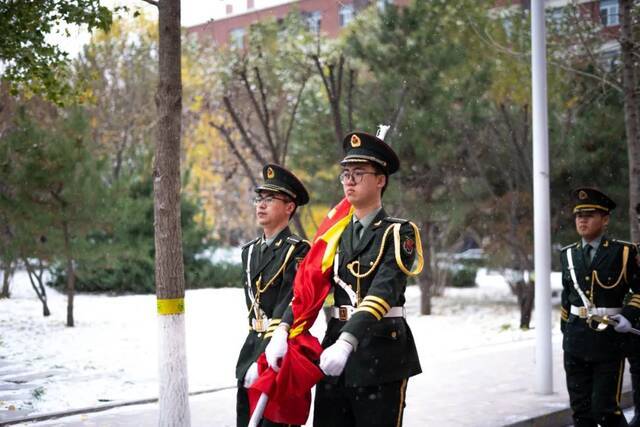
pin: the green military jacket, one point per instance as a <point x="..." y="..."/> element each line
<point x="605" y="281"/>
<point x="273" y="275"/>
<point x="386" y="349"/>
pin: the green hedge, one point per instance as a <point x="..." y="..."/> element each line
<point x="138" y="277"/>
<point x="464" y="278"/>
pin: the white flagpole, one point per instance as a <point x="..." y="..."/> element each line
<point x="541" y="216"/>
<point x="258" y="411"/>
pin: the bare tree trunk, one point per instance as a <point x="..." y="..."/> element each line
<point x="39" y="287"/>
<point x="71" y="274"/>
<point x="631" y="111"/>
<point x="7" y="272"/>
<point x="425" y="293"/>
<point x="169" y="267"/>
<point x="524" y="291"/>
<point x="427" y="281"/>
<point x="526" y="307"/>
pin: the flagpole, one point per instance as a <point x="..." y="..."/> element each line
<point x="256" y="417"/>
<point x="541" y="215"/>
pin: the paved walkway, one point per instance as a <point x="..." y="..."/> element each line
<point x="486" y="386"/>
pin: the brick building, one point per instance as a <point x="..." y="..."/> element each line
<point x="326" y="16"/>
<point x="330" y="16"/>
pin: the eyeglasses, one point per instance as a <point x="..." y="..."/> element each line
<point x="355" y="176"/>
<point x="268" y="200"/>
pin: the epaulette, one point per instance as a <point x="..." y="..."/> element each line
<point x="397" y="220"/>
<point x="624" y="242"/>
<point x="568" y="246"/>
<point x="246" y="245"/>
<point x="293" y="239"/>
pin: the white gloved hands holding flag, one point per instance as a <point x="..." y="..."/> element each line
<point x="251" y="376"/>
<point x="277" y="347"/>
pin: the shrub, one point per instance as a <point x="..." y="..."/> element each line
<point x="464" y="278"/>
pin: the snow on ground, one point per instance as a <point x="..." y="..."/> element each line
<point x="111" y="354"/>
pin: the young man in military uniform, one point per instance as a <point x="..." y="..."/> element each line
<point x="369" y="351"/>
<point x="597" y="273"/>
<point x="269" y="263"/>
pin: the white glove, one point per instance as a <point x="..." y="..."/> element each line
<point x="251" y="376"/>
<point x="334" y="358"/>
<point x="623" y="324"/>
<point x="277" y="347"/>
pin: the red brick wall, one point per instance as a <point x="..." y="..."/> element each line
<point x="219" y="29"/>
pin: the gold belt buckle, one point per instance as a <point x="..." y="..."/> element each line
<point x="583" y="313"/>
<point x="259" y="325"/>
<point x="343" y="313"/>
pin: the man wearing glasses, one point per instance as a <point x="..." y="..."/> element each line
<point x="269" y="263"/>
<point x="369" y="351"/>
<point x="597" y="274"/>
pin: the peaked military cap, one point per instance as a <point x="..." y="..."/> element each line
<point x="281" y="180"/>
<point x="361" y="147"/>
<point x="590" y="199"/>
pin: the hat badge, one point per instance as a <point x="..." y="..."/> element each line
<point x="355" y="141"/>
<point x="270" y="173"/>
<point x="582" y="195"/>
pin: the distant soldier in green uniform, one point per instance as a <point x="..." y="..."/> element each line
<point x="597" y="273"/>
<point x="369" y="351"/>
<point x="269" y="263"/>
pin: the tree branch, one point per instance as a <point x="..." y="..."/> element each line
<point x="267" y="118"/>
<point x="352" y="74"/>
<point x="294" y="111"/>
<point x="151" y="2"/>
<point x="234" y="149"/>
<point x="333" y="102"/>
<point x="256" y="106"/>
<point x="242" y="130"/>
<point x="524" y="168"/>
<point x="339" y="82"/>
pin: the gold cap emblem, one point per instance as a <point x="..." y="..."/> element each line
<point x="355" y="141"/>
<point x="582" y="195"/>
<point x="270" y="173"/>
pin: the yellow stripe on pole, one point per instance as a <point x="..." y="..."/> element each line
<point x="170" y="306"/>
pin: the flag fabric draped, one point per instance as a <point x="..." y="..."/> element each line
<point x="289" y="390"/>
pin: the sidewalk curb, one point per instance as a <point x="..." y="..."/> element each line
<point x="562" y="417"/>
<point x="98" y="408"/>
<point x="559" y="418"/>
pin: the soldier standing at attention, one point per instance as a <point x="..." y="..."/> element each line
<point x="597" y="273"/>
<point x="269" y="263"/>
<point x="369" y="351"/>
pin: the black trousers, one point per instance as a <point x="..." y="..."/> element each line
<point x="242" y="410"/>
<point x="374" y="406"/>
<point x="594" y="391"/>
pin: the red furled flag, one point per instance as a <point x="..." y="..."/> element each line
<point x="289" y="390"/>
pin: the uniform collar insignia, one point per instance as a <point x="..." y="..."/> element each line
<point x="278" y="243"/>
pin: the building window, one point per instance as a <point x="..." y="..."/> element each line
<point x="555" y="16"/>
<point x="609" y="14"/>
<point x="346" y="14"/>
<point x="610" y="59"/>
<point x="236" y="37"/>
<point x="314" y="19"/>
<point x="382" y="4"/>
